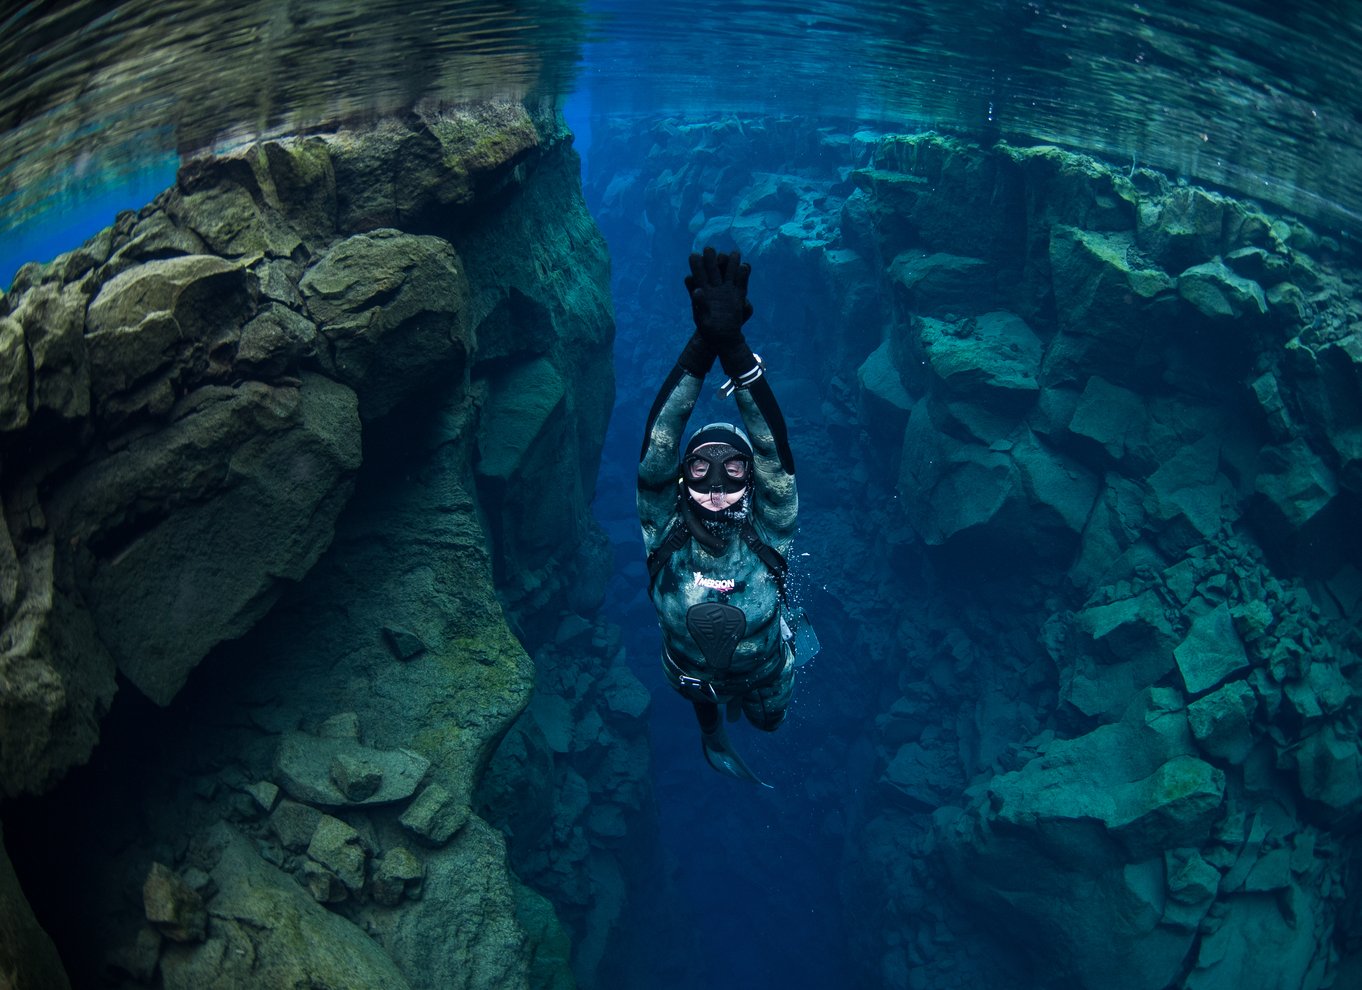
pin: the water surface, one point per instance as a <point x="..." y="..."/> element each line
<point x="1257" y="97"/>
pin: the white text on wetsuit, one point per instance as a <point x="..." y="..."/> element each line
<point x="718" y="584"/>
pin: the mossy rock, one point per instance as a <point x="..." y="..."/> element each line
<point x="1219" y="294"/>
<point x="390" y="307"/>
<point x="265" y="930"/>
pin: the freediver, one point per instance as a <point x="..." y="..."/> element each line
<point x="718" y="520"/>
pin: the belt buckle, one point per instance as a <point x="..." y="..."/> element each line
<point x="702" y="688"/>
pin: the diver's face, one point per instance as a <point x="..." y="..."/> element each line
<point x="716" y="477"/>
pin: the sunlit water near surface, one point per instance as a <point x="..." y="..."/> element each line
<point x="1258" y="97"/>
<point x="98" y="104"/>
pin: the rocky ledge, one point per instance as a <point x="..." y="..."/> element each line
<point x="299" y="450"/>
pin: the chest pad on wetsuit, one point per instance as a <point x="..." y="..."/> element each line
<point x="717" y="628"/>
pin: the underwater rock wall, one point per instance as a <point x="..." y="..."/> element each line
<point x="303" y="453"/>
<point x="1099" y="548"/>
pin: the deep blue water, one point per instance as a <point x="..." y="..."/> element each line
<point x="755" y="871"/>
<point x="758" y="879"/>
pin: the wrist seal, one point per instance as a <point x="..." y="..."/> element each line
<point x="743" y="379"/>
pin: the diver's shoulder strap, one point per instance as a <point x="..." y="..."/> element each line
<point x="657" y="559"/>
<point x="773" y="559"/>
<point x="679" y="534"/>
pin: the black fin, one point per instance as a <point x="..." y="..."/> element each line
<point x="720" y="754"/>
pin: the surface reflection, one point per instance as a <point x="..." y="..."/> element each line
<point x="1254" y="97"/>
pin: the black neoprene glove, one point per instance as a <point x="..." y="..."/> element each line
<point x="698" y="356"/>
<point x="718" y="292"/>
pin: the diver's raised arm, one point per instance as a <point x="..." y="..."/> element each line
<point x="718" y="285"/>
<point x="775" y="500"/>
<point x="661" y="451"/>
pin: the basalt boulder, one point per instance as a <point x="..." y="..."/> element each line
<point x="263" y="927"/>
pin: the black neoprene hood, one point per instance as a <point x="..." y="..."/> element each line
<point x="719" y="433"/>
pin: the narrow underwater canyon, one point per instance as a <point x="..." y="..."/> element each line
<point x="307" y="545"/>
<point x="1079" y="455"/>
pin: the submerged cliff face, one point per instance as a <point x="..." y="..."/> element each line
<point x="1078" y="464"/>
<point x="301" y="453"/>
<point x="296" y="468"/>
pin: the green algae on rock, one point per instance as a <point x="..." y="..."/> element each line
<point x="266" y="931"/>
<point x="264" y="454"/>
